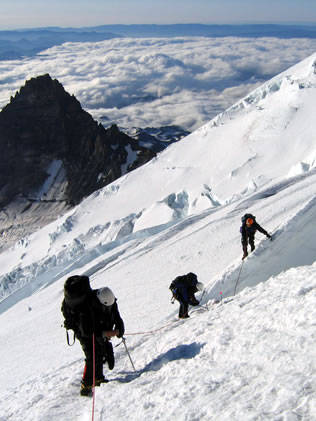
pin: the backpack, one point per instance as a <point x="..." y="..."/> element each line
<point x="76" y="290"/>
<point x="189" y="281"/>
<point x="75" y="306"/>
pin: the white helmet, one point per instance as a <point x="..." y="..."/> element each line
<point x="200" y="286"/>
<point x="106" y="296"/>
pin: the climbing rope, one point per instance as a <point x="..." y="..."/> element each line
<point x="93" y="383"/>
<point x="151" y="331"/>
<point x="242" y="263"/>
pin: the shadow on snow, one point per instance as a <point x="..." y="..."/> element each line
<point x="180" y="352"/>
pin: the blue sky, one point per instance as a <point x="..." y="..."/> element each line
<point x="37" y="13"/>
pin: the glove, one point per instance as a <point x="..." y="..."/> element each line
<point x="69" y="324"/>
<point x="121" y="332"/>
<point x="108" y="334"/>
<point x="194" y="302"/>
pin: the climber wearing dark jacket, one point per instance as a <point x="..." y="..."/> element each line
<point x="97" y="316"/>
<point x="248" y="230"/>
<point x="183" y="289"/>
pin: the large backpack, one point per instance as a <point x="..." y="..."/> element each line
<point x="76" y="290"/>
<point x="75" y="307"/>
<point x="190" y="280"/>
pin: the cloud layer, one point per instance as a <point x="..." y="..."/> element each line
<point x="160" y="81"/>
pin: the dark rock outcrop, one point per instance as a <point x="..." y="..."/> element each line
<point x="53" y="154"/>
<point x="43" y="124"/>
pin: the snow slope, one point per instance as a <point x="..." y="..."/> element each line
<point x="249" y="357"/>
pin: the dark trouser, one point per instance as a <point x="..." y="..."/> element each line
<point x="183" y="310"/>
<point x="87" y="347"/>
<point x="249" y="239"/>
<point x="184" y="305"/>
<point x="108" y="354"/>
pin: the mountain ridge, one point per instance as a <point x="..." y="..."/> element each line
<point x="177" y="185"/>
<point x="251" y="355"/>
<point x="54" y="152"/>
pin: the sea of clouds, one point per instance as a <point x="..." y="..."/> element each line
<point x="152" y="82"/>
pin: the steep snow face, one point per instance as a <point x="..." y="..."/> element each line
<point x="269" y="135"/>
<point x="263" y="139"/>
<point x="253" y="357"/>
<point x="54" y="186"/>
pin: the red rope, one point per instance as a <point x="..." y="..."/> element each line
<point x="93" y="383"/>
<point x="151" y="331"/>
<point x="156" y="330"/>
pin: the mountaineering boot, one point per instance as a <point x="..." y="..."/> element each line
<point x="85" y="390"/>
<point x="101" y="380"/>
<point x="244" y="256"/>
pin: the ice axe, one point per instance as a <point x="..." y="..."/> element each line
<point x="124" y="342"/>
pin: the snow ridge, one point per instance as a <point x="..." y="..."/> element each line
<point x="244" y="356"/>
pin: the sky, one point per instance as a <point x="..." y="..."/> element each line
<point x="249" y="357"/>
<point x="156" y="82"/>
<point x="36" y="13"/>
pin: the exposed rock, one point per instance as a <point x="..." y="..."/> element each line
<point x="53" y="151"/>
<point x="43" y="123"/>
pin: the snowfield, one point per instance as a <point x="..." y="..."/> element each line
<point x="248" y="351"/>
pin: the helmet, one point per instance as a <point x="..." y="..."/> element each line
<point x="200" y="286"/>
<point x="249" y="222"/>
<point x="106" y="296"/>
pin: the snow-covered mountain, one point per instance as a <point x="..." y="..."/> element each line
<point x="53" y="155"/>
<point x="250" y="357"/>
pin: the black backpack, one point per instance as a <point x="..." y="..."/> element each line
<point x="189" y="280"/>
<point x="75" y="306"/>
<point x="76" y="290"/>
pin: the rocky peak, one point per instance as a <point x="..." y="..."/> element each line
<point x="43" y="123"/>
<point x="53" y="151"/>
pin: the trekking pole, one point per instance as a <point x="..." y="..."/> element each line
<point x="203" y="293"/>
<point x="238" y="277"/>
<point x="203" y="305"/>
<point x="124" y="342"/>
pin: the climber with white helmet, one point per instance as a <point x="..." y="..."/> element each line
<point x="94" y="317"/>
